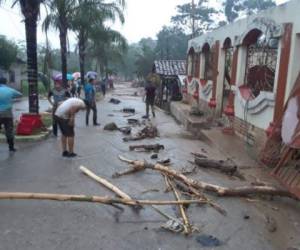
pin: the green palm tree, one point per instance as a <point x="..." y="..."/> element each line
<point x="106" y="46"/>
<point x="91" y="15"/>
<point x="60" y="14"/>
<point x="30" y="10"/>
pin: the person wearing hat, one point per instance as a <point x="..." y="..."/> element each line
<point x="56" y="96"/>
<point x="6" y="116"/>
<point x="90" y="99"/>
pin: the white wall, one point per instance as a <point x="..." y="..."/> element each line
<point x="285" y="13"/>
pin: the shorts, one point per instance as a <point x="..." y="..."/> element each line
<point x="66" y="129"/>
<point x="150" y="100"/>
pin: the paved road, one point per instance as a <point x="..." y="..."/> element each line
<point x="29" y="225"/>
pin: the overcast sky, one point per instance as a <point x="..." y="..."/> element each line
<point x="144" y="18"/>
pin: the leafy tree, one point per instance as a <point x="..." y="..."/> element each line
<point x="90" y="16"/>
<point x="145" y="57"/>
<point x="171" y="43"/>
<point x="30" y="10"/>
<point x="195" y="18"/>
<point x="234" y="8"/>
<point x="107" y="48"/>
<point x="59" y="16"/>
<point x="8" y="53"/>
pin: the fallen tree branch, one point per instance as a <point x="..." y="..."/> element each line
<point x="89" y="198"/>
<point x="147" y="148"/>
<point x="200" y="195"/>
<point x="105" y="183"/>
<point x="219" y="190"/>
<point x="187" y="226"/>
<point x="222" y="166"/>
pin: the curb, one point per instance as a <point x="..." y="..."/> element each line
<point x="30" y="138"/>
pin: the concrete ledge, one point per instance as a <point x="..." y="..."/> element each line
<point x="181" y="112"/>
<point x="28" y="138"/>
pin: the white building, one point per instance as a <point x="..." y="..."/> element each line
<point x="247" y="69"/>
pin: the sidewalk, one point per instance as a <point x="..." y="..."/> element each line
<point x="231" y="146"/>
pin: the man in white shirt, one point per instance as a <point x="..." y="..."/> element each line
<point x="65" y="118"/>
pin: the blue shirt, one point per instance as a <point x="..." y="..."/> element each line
<point x="7" y="95"/>
<point x="89" y="92"/>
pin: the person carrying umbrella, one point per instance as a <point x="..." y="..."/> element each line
<point x="6" y="116"/>
<point x="90" y="99"/>
<point x="56" y="96"/>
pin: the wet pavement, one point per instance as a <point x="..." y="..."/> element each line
<point x="39" y="167"/>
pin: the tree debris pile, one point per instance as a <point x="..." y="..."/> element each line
<point x="224" y="167"/>
<point x="147" y="148"/>
<point x="149" y="131"/>
<point x="113" y="127"/>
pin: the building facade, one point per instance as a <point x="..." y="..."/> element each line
<point x="247" y="69"/>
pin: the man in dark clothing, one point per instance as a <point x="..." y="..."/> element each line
<point x="103" y="86"/>
<point x="90" y="99"/>
<point x="56" y="96"/>
<point x="6" y="116"/>
<point x="150" y="98"/>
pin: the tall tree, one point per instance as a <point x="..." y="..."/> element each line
<point x="8" y="53"/>
<point x="234" y="8"/>
<point x="145" y="57"/>
<point x="107" y="46"/>
<point x="98" y="12"/>
<point x="60" y="14"/>
<point x="195" y="18"/>
<point x="30" y="10"/>
<point x="171" y="43"/>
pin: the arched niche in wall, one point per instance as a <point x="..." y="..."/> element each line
<point x="228" y="51"/>
<point x="228" y="56"/>
<point x="206" y="70"/>
<point x="261" y="60"/>
<point x="191" y="62"/>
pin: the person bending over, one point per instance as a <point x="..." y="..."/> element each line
<point x="65" y="118"/>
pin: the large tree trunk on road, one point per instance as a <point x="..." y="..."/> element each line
<point x="221" y="191"/>
<point x="89" y="198"/>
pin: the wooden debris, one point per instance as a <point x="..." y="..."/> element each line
<point x="111" y="126"/>
<point x="150" y="190"/>
<point x="200" y="185"/>
<point x="187" y="225"/>
<point x="125" y="130"/>
<point x="114" y="101"/>
<point x="199" y="155"/>
<point x="147" y="132"/>
<point x="105" y="183"/>
<point x="165" y="162"/>
<point x="89" y="198"/>
<point x="154" y="156"/>
<point x="128" y="110"/>
<point x="151" y="147"/>
<point x="197" y="194"/>
<point x="222" y="166"/>
<point x="134" y="122"/>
